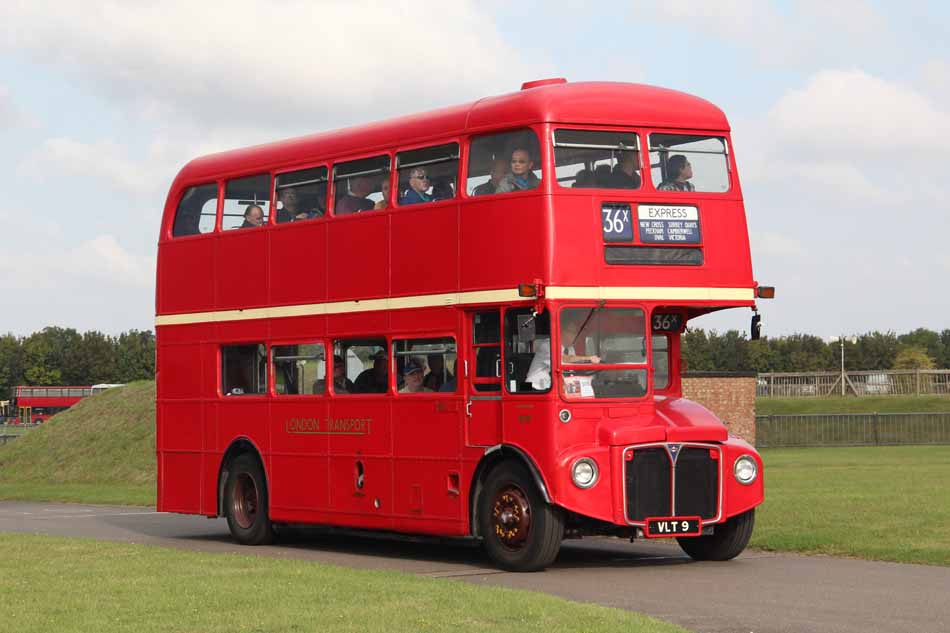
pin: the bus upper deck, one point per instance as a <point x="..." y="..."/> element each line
<point x="429" y="205"/>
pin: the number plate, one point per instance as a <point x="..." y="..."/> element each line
<point x="617" y="222"/>
<point x="673" y="526"/>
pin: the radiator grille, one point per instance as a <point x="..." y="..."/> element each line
<point x="650" y="477"/>
<point x="649" y="481"/>
<point x="697" y="483"/>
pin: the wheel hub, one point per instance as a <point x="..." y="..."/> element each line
<point x="511" y="517"/>
<point x="244" y="501"/>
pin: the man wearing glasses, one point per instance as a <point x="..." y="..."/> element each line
<point x="521" y="177"/>
<point x="418" y="186"/>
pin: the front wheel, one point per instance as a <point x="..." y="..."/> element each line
<point x="245" y="502"/>
<point x="520" y="531"/>
<point x="726" y="542"/>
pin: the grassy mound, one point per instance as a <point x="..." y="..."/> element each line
<point x="101" y="450"/>
<point x="850" y="404"/>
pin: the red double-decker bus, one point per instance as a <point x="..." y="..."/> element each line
<point x="38" y="404"/>
<point x="465" y="322"/>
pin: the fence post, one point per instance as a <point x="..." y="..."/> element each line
<point x="917" y="376"/>
<point x="876" y="423"/>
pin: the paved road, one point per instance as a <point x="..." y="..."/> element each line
<point x="758" y="592"/>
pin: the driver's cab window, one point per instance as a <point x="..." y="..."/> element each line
<point x="661" y="362"/>
<point x="527" y="351"/>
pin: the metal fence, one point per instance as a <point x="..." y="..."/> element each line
<point x="910" y="382"/>
<point x="852" y="429"/>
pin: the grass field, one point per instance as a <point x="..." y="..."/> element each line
<point x="865" y="404"/>
<point x="52" y="584"/>
<point x="102" y="450"/>
<point x="883" y="503"/>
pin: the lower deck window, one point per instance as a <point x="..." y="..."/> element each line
<point x="299" y="369"/>
<point x="243" y="369"/>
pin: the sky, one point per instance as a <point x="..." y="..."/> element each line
<point x="840" y="114"/>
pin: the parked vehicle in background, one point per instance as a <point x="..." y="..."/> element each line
<point x="35" y="405"/>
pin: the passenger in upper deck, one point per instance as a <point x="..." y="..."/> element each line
<point x="355" y="200"/>
<point x="678" y="173"/>
<point x="584" y="179"/>
<point x="602" y="176"/>
<point x="288" y="211"/>
<point x="384" y="187"/>
<point x="418" y="186"/>
<point x="624" y="175"/>
<point x="253" y="216"/>
<point x="521" y="177"/>
<point x="498" y="170"/>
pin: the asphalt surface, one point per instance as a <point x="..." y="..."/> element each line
<point x="759" y="592"/>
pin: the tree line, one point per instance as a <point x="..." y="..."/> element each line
<point x="732" y="351"/>
<point x="63" y="356"/>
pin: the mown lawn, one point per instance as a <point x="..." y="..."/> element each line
<point x="883" y="503"/>
<point x="850" y="404"/>
<point x="53" y="584"/>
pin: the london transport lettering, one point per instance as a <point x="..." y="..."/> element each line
<point x="328" y="426"/>
<point x="663" y="224"/>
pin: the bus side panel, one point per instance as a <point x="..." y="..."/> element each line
<point x="244" y="283"/>
<point x="180" y="485"/>
<point x="427" y="447"/>
<point x="425" y="249"/>
<point x="358" y="257"/>
<point x="577" y="234"/>
<point x="360" y="438"/>
<point x="502" y="242"/>
<point x="298" y="256"/>
<point x="188" y="274"/>
<point x="299" y="455"/>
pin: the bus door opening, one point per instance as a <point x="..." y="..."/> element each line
<point x="483" y="419"/>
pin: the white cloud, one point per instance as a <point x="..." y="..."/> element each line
<point x="773" y="244"/>
<point x="807" y="31"/>
<point x="851" y="111"/>
<point x="10" y="114"/>
<point x="104" y="160"/>
<point x="310" y="64"/>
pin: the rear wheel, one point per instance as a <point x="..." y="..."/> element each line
<point x="728" y="540"/>
<point x="245" y="502"/>
<point x="520" y="531"/>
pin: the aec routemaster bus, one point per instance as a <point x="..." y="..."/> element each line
<point x="464" y="322"/>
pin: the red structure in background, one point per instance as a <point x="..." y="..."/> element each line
<point x="37" y="404"/>
<point x="356" y="328"/>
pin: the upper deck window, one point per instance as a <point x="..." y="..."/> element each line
<point x="246" y="203"/>
<point x="427" y="174"/>
<point x="503" y="163"/>
<point x="360" y="185"/>
<point x="197" y="211"/>
<point x="689" y="162"/>
<point x="588" y="159"/>
<point x="302" y="195"/>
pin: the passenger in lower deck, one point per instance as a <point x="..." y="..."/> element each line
<point x="375" y="380"/>
<point x="412" y="375"/>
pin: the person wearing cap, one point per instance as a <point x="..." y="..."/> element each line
<point x="375" y="380"/>
<point x="412" y="375"/>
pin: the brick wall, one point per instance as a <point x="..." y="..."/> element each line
<point x="731" y="396"/>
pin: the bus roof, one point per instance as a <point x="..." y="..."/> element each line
<point x="555" y="101"/>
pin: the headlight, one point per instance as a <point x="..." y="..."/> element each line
<point x="584" y="472"/>
<point x="745" y="470"/>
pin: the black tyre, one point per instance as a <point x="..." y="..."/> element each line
<point x="520" y="531"/>
<point x="727" y="542"/>
<point x="245" y="502"/>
